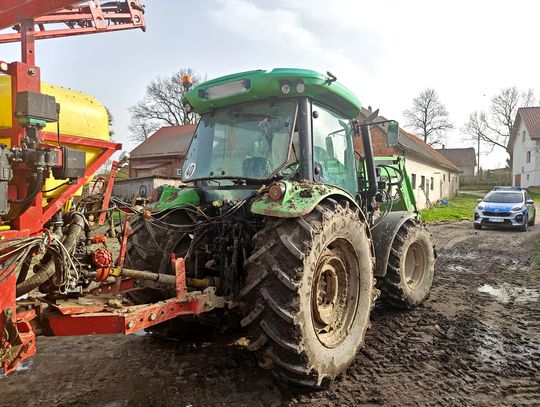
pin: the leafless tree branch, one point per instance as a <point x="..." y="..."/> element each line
<point x="428" y="117"/>
<point x="161" y="106"/>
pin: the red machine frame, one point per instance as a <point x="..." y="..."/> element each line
<point x="18" y="320"/>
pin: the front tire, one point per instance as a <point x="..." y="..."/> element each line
<point x="411" y="267"/>
<point x="309" y="293"/>
<point x="525" y="226"/>
<point x="533" y="220"/>
<point x="477" y="226"/>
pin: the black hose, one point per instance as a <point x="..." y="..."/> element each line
<point x="48" y="269"/>
<point x="37" y="187"/>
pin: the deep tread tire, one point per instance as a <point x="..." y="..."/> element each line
<point x="287" y="258"/>
<point x="412" y="239"/>
<point x="149" y="249"/>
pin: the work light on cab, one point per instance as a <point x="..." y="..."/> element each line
<point x="286" y="88"/>
<point x="225" y="90"/>
<point x="276" y="191"/>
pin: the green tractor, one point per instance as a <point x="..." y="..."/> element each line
<point x="296" y="232"/>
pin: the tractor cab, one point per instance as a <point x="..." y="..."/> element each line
<point x="259" y="127"/>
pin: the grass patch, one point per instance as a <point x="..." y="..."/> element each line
<point x="459" y="208"/>
<point x="535" y="197"/>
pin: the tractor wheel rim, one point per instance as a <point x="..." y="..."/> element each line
<point x="415" y="265"/>
<point x="335" y="292"/>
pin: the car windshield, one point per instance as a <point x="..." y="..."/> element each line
<point x="250" y="141"/>
<point x="504" y="197"/>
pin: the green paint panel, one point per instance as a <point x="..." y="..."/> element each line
<point x="172" y="197"/>
<point x="299" y="199"/>
<point x="261" y="84"/>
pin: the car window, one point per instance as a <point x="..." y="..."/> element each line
<point x="504" y="197"/>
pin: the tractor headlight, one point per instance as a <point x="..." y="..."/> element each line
<point x="276" y="191"/>
<point x="300" y="87"/>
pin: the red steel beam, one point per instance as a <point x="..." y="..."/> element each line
<point x="13" y="11"/>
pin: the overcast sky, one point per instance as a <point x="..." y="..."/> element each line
<point x="385" y="51"/>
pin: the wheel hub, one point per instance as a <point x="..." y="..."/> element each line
<point x="335" y="293"/>
<point x="326" y="290"/>
<point x="415" y="265"/>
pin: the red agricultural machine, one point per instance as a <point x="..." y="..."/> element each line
<point x="53" y="140"/>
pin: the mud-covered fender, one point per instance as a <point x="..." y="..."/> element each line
<point x="299" y="199"/>
<point x="383" y="234"/>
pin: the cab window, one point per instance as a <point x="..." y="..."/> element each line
<point x="333" y="151"/>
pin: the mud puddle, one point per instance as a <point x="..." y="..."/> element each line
<point x="506" y="293"/>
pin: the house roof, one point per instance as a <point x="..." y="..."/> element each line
<point x="169" y="140"/>
<point x="408" y="142"/>
<point x="531" y="118"/>
<point x="461" y="157"/>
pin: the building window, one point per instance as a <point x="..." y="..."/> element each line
<point x="528" y="157"/>
<point x="523" y="136"/>
<point x="444" y="177"/>
<point x="423" y="182"/>
<point x="413" y="181"/>
<point x="431" y="183"/>
<point x="522" y="170"/>
<point x="528" y="177"/>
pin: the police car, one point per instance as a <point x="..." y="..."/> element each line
<point x="505" y="207"/>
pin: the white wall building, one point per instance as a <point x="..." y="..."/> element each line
<point x="432" y="175"/>
<point x="525" y="145"/>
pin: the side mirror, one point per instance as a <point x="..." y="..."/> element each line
<point x="393" y="134"/>
<point x="530" y="202"/>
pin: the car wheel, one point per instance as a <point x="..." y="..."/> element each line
<point x="531" y="222"/>
<point x="525" y="226"/>
<point x="477" y="226"/>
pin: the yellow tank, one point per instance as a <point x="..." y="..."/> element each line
<point x="80" y="115"/>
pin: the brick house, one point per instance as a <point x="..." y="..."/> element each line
<point x="432" y="175"/>
<point x="163" y="153"/>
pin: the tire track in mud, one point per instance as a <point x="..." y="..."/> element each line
<point x="463" y="347"/>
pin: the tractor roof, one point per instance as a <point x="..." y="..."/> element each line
<point x="256" y="85"/>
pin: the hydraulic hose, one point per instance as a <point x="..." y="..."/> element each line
<point x="46" y="271"/>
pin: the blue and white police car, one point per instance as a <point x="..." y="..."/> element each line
<point x="505" y="207"/>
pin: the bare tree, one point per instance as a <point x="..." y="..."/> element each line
<point x="161" y="106"/>
<point x="495" y="128"/>
<point x="428" y="117"/>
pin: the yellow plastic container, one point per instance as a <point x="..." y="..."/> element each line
<point x="81" y="115"/>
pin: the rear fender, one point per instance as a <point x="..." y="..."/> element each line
<point x="383" y="234"/>
<point x="300" y="199"/>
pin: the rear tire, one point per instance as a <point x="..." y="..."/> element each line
<point x="149" y="249"/>
<point x="309" y="292"/>
<point x="411" y="267"/>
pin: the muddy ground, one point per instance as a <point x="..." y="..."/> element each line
<point x="475" y="342"/>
